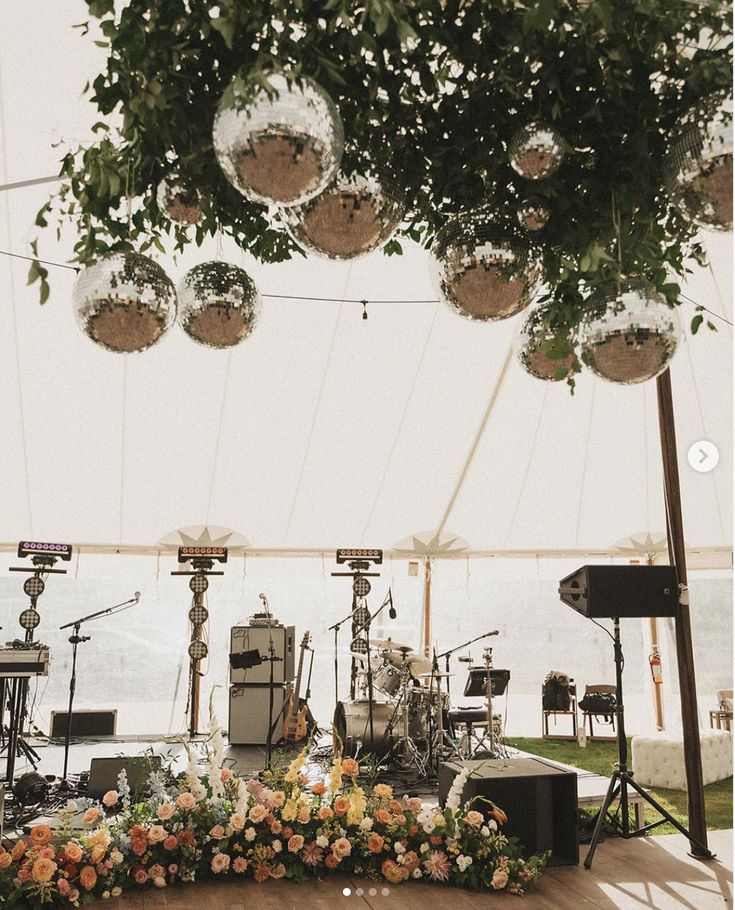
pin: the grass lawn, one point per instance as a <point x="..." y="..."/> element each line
<point x="600" y="757"/>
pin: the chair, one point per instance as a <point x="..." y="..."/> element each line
<point x="587" y="716"/>
<point x="721" y="717"/>
<point x="571" y="711"/>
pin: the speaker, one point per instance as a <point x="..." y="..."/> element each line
<point x="248" y="717"/>
<point x="257" y="637"/>
<point x="622" y="591"/>
<point x="539" y="798"/>
<point x="84" y="724"/>
<point x="104" y="772"/>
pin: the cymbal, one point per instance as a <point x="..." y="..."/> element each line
<point x="387" y="644"/>
<point x="435" y="675"/>
<point x="359" y="655"/>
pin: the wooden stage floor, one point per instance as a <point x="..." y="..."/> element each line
<point x="650" y="873"/>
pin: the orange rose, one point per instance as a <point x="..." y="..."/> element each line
<point x="410" y="861"/>
<point x="325" y="812"/>
<point x="5" y="860"/>
<point x="341" y="848"/>
<point x="341" y="805"/>
<point x="170" y="842"/>
<point x="295" y="843"/>
<point x="350" y="767"/>
<point x="383" y="816"/>
<point x="474" y="819"/>
<point x="394" y="806"/>
<point x="43" y="870"/>
<point x="18" y="850"/>
<point x="392" y="872"/>
<point x="331" y="861"/>
<point x="278" y="871"/>
<point x="88" y="877"/>
<point x="73" y="852"/>
<point x="304" y="814"/>
<point x="413" y="830"/>
<point x="97" y="854"/>
<point x="91" y="815"/>
<point x="287" y="832"/>
<point x="319" y="788"/>
<point x="257" y="814"/>
<point x="41" y="834"/>
<point x="375" y="843"/>
<point x="436" y="839"/>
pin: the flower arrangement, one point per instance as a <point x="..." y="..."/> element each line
<point x="281" y="826"/>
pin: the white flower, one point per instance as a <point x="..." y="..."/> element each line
<point x="341" y="832"/>
<point x="493" y="824"/>
<point x="116" y="891"/>
<point x="277" y="846"/>
<point x="417" y="872"/>
<point x="366" y="824"/>
<point x="71" y="806"/>
<point x="399" y="848"/>
<point x="428" y="826"/>
<point x="463" y="862"/>
<point x="455" y="791"/>
<point x="485" y="831"/>
<point x="105" y="895"/>
<point x="400" y="859"/>
<point x="116" y="858"/>
<point x="250" y="834"/>
<point x="323" y="841"/>
<point x="424" y="848"/>
<point x="199" y="791"/>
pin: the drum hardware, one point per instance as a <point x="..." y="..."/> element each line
<point x="495" y="683"/>
<point x="447" y="654"/>
<point x="405" y="751"/>
<point x="387" y="644"/>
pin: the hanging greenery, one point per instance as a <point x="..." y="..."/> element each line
<point x="431" y="91"/>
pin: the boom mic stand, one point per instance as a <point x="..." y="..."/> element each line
<point x="365" y="627"/>
<point x="75" y="640"/>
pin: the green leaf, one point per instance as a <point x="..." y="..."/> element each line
<point x="696" y="323"/>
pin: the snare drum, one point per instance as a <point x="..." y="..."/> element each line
<point x="387" y="678"/>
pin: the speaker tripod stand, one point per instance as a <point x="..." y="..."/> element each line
<point x="622" y="778"/>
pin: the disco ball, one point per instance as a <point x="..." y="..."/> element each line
<point x="536" y="150"/>
<point x="124" y="302"/>
<point x="198" y="649"/>
<point x="698" y="166"/>
<point x="219" y="304"/>
<point x="282" y="146"/>
<point x="198" y="615"/>
<point x="628" y="334"/>
<point x="533" y="213"/>
<point x="353" y="216"/>
<point x="481" y="271"/>
<point x="529" y="350"/>
<point x="180" y="203"/>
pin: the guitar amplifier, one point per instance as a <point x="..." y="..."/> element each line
<point x="256" y="636"/>
<point x="248" y="714"/>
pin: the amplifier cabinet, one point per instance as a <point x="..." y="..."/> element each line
<point x="248" y="714"/>
<point x="250" y="638"/>
<point x="539" y="798"/>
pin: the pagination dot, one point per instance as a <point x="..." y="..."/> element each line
<point x="347" y="892"/>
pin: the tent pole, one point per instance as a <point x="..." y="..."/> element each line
<point x="658" y="695"/>
<point x="427" y="606"/>
<point x="684" y="651"/>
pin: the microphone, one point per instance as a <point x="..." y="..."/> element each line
<point x="488" y="634"/>
<point x="263" y="598"/>
<point x="392" y="610"/>
<point x="136" y="596"/>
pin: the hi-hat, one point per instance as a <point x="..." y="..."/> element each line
<point x="387" y="644"/>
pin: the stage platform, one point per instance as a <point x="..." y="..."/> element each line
<point x="650" y="873"/>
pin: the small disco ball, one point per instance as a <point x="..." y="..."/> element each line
<point x="34" y="586"/>
<point x="628" y="334"/>
<point x="219" y="304"/>
<point x="533" y="213"/>
<point x="698" y="166"/>
<point x="124" y="302"/>
<point x="198" y="649"/>
<point x="198" y="615"/>
<point x="198" y="583"/>
<point x="280" y="147"/>
<point x="481" y="271"/>
<point x="529" y="350"/>
<point x="361" y="586"/>
<point x="180" y="203"/>
<point x="353" y="216"/>
<point x="29" y="618"/>
<point x="536" y="150"/>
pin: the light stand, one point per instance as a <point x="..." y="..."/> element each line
<point x="357" y="631"/>
<point x="622" y="778"/>
<point x="75" y="639"/>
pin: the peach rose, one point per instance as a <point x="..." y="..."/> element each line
<point x="217" y="832"/>
<point x="186" y="801"/>
<point x="257" y="814"/>
<point x="394" y="806"/>
<point x="110" y="798"/>
<point x="392" y="872"/>
<point x="43" y="870"/>
<point x="350" y="767"/>
<point x="474" y="819"/>
<point x="383" y="816"/>
<point x="157" y="834"/>
<point x="304" y="815"/>
<point x="165" y="811"/>
<point x="63" y="886"/>
<point x="170" y="842"/>
<point x="278" y="871"/>
<point x="237" y="822"/>
<point x="400" y="819"/>
<point x="410" y="861"/>
<point x="319" y="788"/>
<point x="140" y="876"/>
<point x="375" y="843"/>
<point x="341" y="805"/>
<point x="19" y="849"/>
<point x="331" y="861"/>
<point x="277" y="799"/>
<point x="239" y="864"/>
<point x="499" y="879"/>
<point x="324" y="812"/>
<point x="276" y="827"/>
<point x="295" y="843"/>
<point x="73" y="895"/>
<point x="5" y="860"/>
<point x="156" y="870"/>
<point x="220" y="863"/>
<point x="87" y="877"/>
<point x="91" y="815"/>
<point x="40" y="835"/>
<point x="73" y="852"/>
<point x="225" y="775"/>
<point x="159" y="881"/>
<point x="97" y="854"/>
<point x="341" y="848"/>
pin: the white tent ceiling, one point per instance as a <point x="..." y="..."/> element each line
<point x="323" y="429"/>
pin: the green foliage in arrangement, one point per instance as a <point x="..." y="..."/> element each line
<point x="432" y="90"/>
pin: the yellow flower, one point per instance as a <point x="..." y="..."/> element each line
<point x="383" y="791"/>
<point x="292" y="775"/>
<point x="439" y="820"/>
<point x="289" y="811"/>
<point x="358" y="803"/>
<point x="335" y="775"/>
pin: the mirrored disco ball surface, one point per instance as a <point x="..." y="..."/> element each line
<point x="283" y="148"/>
<point x="536" y="150"/>
<point x="480" y="271"/>
<point x="219" y="304"/>
<point x="628" y="335"/>
<point x="180" y="204"/>
<point x="533" y="213"/>
<point x="698" y="167"/>
<point x="530" y="353"/>
<point x="353" y="216"/>
<point x="124" y="302"/>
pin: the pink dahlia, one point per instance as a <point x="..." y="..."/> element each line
<point x="312" y="854"/>
<point x="437" y="866"/>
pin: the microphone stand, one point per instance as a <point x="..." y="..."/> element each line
<point x="447" y="654"/>
<point x="271" y="659"/>
<point x="75" y="640"/>
<point x="365" y="627"/>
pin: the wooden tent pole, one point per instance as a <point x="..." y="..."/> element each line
<point x="427" y="606"/>
<point x="684" y="651"/>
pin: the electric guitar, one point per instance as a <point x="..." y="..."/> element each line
<point x="294" y="724"/>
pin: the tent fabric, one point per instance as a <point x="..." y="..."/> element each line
<point x="322" y="429"/>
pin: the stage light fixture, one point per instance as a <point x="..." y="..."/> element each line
<point x="217" y="554"/>
<point x="198" y="615"/>
<point x="30" y="788"/>
<point x="34" y="586"/>
<point x="359" y="646"/>
<point x="198" y="650"/>
<point x="199" y="583"/>
<point x="346" y="555"/>
<point x="29" y="618"/>
<point x="361" y="616"/>
<point x="33" y="548"/>
<point x="361" y="586"/>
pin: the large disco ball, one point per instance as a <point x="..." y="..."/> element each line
<point x="354" y="215"/>
<point x="481" y="271"/>
<point x="124" y="302"/>
<point x="281" y="147"/>
<point x="698" y="166"/>
<point x="628" y="334"/>
<point x="219" y="304"/>
<point x="529" y="349"/>
<point x="536" y="150"/>
<point x="533" y="213"/>
<point x="180" y="203"/>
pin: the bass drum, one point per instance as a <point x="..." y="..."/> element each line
<point x="351" y="728"/>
